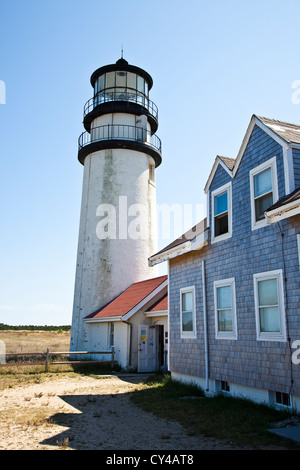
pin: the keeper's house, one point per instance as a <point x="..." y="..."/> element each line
<point x="234" y="279"/>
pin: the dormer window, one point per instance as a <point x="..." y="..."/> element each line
<point x="264" y="192"/>
<point x="221" y="213"/>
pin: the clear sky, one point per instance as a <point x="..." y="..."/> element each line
<point x="214" y="64"/>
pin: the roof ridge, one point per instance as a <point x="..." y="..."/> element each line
<point x="278" y="121"/>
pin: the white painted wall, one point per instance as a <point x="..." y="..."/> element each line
<point x="257" y="395"/>
<point x="98" y="340"/>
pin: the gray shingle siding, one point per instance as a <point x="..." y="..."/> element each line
<point x="296" y="160"/>
<point x="245" y="361"/>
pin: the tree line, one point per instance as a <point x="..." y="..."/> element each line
<point x="3" y="326"/>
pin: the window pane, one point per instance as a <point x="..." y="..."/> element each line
<point x="263" y="182"/>
<point x="121" y="79"/>
<point x="267" y="292"/>
<point x="220" y="203"/>
<point x="221" y="225"/>
<point x="224" y="297"/>
<point x="225" y="320"/>
<point x="269" y="319"/>
<point x="140" y="84"/>
<point x="102" y="82"/>
<point x="187" y="301"/>
<point x="187" y="321"/>
<point x="110" y="80"/>
<point x="262" y="204"/>
<point x="131" y="80"/>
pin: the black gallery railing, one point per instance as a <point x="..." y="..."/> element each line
<point x="120" y="132"/>
<point x="126" y="95"/>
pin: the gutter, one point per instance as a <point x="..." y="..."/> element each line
<point x="205" y="327"/>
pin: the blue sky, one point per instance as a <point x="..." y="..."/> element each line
<point x="214" y="64"/>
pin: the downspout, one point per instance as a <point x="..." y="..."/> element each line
<point x="130" y="341"/>
<point x="205" y="327"/>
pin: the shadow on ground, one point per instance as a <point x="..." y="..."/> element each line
<point x="113" y="422"/>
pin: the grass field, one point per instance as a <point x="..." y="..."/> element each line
<point x="24" y="341"/>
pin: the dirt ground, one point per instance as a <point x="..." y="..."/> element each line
<point x="88" y="414"/>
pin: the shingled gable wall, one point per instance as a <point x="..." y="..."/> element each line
<point x="245" y="361"/>
<point x="296" y="161"/>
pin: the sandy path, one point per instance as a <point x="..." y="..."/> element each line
<point x="89" y="414"/>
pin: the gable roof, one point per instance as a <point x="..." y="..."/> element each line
<point x="229" y="162"/>
<point x="286" y="134"/>
<point x="160" y="305"/>
<point x="131" y="300"/>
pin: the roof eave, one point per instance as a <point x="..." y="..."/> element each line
<point x="283" y="212"/>
<point x="143" y="302"/>
<point x="196" y="244"/>
<point x="103" y="319"/>
<point x="158" y="313"/>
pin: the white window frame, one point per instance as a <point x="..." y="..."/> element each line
<point x="226" y="334"/>
<point x="271" y="163"/>
<point x="270" y="336"/>
<point x="216" y="192"/>
<point x="188" y="334"/>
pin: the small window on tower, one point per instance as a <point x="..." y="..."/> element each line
<point x="151" y="172"/>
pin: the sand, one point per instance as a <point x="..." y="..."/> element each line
<point x="88" y="414"/>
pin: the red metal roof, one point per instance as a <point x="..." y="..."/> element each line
<point x="129" y="299"/>
<point x="162" y="304"/>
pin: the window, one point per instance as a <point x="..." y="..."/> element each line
<point x="221" y="213"/>
<point x="282" y="399"/>
<point x="187" y="312"/>
<point x="111" y="335"/>
<point x="151" y="172"/>
<point x="225" y="386"/>
<point x="264" y="192"/>
<point x="279" y="400"/>
<point x="225" y="309"/>
<point x="269" y="306"/>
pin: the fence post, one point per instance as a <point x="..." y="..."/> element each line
<point x="47" y="360"/>
<point x="112" y="357"/>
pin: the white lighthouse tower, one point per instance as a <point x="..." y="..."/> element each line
<point x="119" y="151"/>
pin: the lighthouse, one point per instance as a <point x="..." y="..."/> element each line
<point x="119" y="151"/>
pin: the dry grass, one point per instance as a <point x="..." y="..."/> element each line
<point x="24" y="341"/>
<point x="33" y="416"/>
